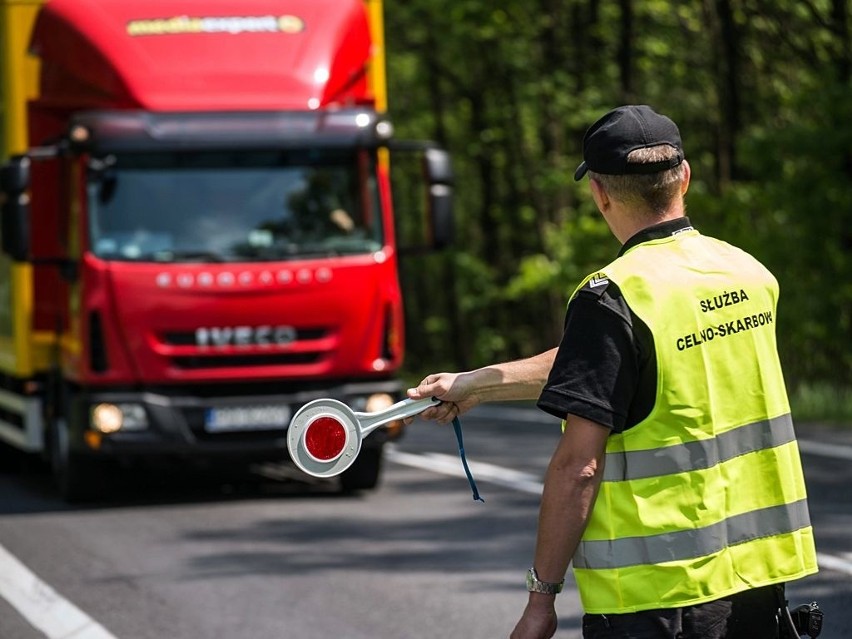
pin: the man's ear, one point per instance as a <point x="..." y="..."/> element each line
<point x="687" y="174"/>
<point x="599" y="195"/>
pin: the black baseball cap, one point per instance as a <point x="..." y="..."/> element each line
<point x="609" y="140"/>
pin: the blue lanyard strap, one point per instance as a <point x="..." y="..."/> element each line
<point x="458" y="429"/>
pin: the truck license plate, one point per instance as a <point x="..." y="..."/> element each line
<point x="230" y="419"/>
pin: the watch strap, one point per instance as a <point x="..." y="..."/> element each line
<point x="534" y="584"/>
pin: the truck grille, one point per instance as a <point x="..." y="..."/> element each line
<point x="187" y="338"/>
<point x="193" y="362"/>
<point x="307" y="345"/>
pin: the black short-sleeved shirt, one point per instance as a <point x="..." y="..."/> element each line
<point x="606" y="369"/>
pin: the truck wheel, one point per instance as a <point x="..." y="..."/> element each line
<point x="78" y="479"/>
<point x="10" y="459"/>
<point x="364" y="473"/>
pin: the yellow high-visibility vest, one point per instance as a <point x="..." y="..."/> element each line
<point x="705" y="497"/>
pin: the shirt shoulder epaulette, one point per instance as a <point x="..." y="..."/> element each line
<point x="595" y="286"/>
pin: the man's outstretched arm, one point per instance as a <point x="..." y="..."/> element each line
<point x="520" y="379"/>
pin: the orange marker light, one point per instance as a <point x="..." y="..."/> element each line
<point x="93" y="439"/>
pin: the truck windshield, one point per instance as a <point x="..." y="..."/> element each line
<point x="233" y="206"/>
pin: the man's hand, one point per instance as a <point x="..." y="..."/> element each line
<point x="538" y="620"/>
<point x="455" y="390"/>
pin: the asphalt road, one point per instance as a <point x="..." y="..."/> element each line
<point x="264" y="556"/>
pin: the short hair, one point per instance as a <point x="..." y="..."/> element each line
<point x="651" y="192"/>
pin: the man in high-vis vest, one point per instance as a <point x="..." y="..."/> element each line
<point x="676" y="489"/>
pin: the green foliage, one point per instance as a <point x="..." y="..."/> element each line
<point x="761" y="91"/>
<point x="793" y="213"/>
<point x="822" y="402"/>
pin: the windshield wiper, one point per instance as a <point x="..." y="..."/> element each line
<point x="329" y="249"/>
<point x="189" y="256"/>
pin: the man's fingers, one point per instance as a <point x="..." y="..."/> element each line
<point x="442" y="413"/>
<point x="429" y="387"/>
<point x="414" y="393"/>
<point x="441" y="386"/>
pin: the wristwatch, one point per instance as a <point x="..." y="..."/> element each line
<point x="534" y="584"/>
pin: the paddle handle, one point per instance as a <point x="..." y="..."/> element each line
<point x="406" y="408"/>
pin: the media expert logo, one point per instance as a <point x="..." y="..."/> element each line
<point x="220" y="24"/>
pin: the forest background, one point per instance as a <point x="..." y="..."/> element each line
<point x="762" y="92"/>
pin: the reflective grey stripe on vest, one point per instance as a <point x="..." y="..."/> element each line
<point x="688" y="544"/>
<point x="698" y="455"/>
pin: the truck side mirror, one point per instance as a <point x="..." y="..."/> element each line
<point x="15" y="208"/>
<point x="438" y="170"/>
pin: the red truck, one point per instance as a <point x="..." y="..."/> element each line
<point x="197" y="228"/>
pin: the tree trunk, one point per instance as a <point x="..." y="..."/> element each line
<point x="625" y="51"/>
<point x="728" y="83"/>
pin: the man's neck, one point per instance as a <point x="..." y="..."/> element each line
<point x="625" y="225"/>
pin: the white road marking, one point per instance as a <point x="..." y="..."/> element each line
<point x="42" y="606"/>
<point x="835" y="451"/>
<point x="531" y="484"/>
<point x="830" y="562"/>
<point x="449" y="465"/>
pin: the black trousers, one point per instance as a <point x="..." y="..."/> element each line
<point x="746" y="615"/>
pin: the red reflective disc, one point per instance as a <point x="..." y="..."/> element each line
<point x="325" y="438"/>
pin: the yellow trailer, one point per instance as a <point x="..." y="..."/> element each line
<point x="18" y="357"/>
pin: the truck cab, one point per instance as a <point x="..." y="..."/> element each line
<point x="197" y="228"/>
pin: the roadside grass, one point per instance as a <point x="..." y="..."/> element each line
<point x="822" y="403"/>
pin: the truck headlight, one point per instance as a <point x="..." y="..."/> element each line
<point x="377" y="402"/>
<point x="111" y="418"/>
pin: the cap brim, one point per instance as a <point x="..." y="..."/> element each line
<point x="580" y="173"/>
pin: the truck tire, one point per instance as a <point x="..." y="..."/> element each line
<point x="10" y="459"/>
<point x="78" y="479"/>
<point x="364" y="473"/>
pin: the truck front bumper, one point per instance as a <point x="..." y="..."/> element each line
<point x="148" y="424"/>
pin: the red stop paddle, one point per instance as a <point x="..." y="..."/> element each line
<point x="325" y="435"/>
